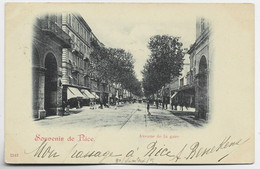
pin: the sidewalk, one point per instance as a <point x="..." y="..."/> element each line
<point x="188" y="115"/>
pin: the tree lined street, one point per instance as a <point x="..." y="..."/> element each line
<point x="90" y="73"/>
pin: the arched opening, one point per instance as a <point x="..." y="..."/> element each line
<point x="50" y="90"/>
<point x="203" y="88"/>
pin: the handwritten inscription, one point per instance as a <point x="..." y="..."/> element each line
<point x="44" y="151"/>
<point x="196" y="150"/>
<point x="77" y="153"/>
<point x="144" y="154"/>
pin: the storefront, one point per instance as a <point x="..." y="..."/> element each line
<point x="74" y="97"/>
<point x="89" y="100"/>
<point x="184" y="97"/>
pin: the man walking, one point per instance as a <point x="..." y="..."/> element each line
<point x="148" y="108"/>
<point x="101" y="101"/>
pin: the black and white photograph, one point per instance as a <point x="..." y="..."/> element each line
<point x="135" y="74"/>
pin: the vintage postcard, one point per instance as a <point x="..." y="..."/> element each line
<point x="129" y="83"/>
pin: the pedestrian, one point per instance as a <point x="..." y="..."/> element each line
<point x="157" y="103"/>
<point x="78" y="104"/>
<point x="166" y="102"/>
<point x="101" y="103"/>
<point x="181" y="104"/>
<point x="172" y="104"/>
<point x="163" y="100"/>
<point x="148" y="108"/>
<point x="175" y="104"/>
<point x="186" y="105"/>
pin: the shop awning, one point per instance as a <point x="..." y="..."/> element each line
<point x="88" y="94"/>
<point x="70" y="94"/>
<point x="97" y="97"/>
<point x="74" y="92"/>
<point x="174" y="94"/>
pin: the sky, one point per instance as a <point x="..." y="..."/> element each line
<point x="130" y="26"/>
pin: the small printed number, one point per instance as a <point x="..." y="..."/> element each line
<point x="14" y="155"/>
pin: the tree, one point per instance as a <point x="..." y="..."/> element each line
<point x="114" y="65"/>
<point x="99" y="62"/>
<point x="164" y="63"/>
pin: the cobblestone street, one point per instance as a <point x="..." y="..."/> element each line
<point x="119" y="117"/>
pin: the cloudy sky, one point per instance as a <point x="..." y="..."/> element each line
<point x="130" y="27"/>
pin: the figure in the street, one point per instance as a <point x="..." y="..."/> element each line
<point x="186" y="104"/>
<point x="157" y="103"/>
<point x="172" y="104"/>
<point x="105" y="103"/>
<point x="148" y="108"/>
<point x="162" y="105"/>
<point x="181" y="104"/>
<point x="101" y="102"/>
<point x="175" y="104"/>
<point x="166" y="102"/>
<point x="78" y="104"/>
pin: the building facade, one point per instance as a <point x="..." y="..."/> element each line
<point x="191" y="88"/>
<point x="200" y="61"/>
<point x="49" y="40"/>
<point x="61" y="60"/>
<point x="182" y="92"/>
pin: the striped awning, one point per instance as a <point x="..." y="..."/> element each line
<point x="73" y="92"/>
<point x="174" y="94"/>
<point x="88" y="94"/>
<point x="97" y="97"/>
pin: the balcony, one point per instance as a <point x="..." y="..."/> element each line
<point x="76" y="50"/>
<point x="75" y="47"/>
<point x="86" y="57"/>
<point x="75" y="69"/>
<point x="55" y="32"/>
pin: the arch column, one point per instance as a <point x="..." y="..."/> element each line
<point x="65" y="55"/>
<point x="201" y="90"/>
<point x="41" y="111"/>
<point x="38" y="93"/>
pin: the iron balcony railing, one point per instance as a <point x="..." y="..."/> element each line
<point x="76" y="50"/>
<point x="75" y="69"/>
<point x="75" y="47"/>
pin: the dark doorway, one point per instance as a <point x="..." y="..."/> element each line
<point x="50" y="96"/>
<point x="203" y="88"/>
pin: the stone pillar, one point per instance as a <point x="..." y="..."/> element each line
<point x="197" y="115"/>
<point x="59" y="97"/>
<point x="65" y="56"/>
<point x="35" y="88"/>
<point x="41" y="110"/>
<point x="201" y="99"/>
<point x="64" y="80"/>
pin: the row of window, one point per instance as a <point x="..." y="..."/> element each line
<point x="75" y="61"/>
<point x="78" y="44"/>
<point x="78" y="28"/>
